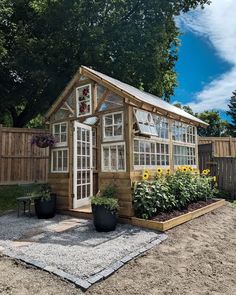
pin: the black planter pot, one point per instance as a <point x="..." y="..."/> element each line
<point x="104" y="220"/>
<point x="45" y="209"/>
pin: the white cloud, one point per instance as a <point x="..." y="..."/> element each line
<point x="217" y="23"/>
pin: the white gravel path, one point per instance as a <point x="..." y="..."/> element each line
<point x="79" y="251"/>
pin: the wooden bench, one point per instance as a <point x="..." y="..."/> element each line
<point x="25" y="200"/>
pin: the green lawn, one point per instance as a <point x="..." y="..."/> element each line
<point x="8" y="195"/>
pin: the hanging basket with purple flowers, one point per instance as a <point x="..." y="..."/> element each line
<point x="43" y="140"/>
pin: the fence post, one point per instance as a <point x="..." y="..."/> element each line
<point x="230" y="146"/>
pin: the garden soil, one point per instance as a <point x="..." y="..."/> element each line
<point x="197" y="258"/>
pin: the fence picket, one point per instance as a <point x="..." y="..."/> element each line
<point x="19" y="162"/>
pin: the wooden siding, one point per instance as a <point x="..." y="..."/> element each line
<point x="19" y="161"/>
<point x="123" y="182"/>
<point x="59" y="183"/>
<point x="221" y="146"/>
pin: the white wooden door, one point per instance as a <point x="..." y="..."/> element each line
<point x="83" y="173"/>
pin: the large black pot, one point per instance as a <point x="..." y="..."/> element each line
<point x="45" y="209"/>
<point x="104" y="220"/>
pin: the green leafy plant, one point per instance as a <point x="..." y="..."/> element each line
<point x="43" y="192"/>
<point x="108" y="198"/>
<point x="176" y="191"/>
<point x="109" y="203"/>
<point x="110" y="191"/>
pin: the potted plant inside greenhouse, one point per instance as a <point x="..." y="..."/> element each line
<point x="45" y="202"/>
<point x="105" y="208"/>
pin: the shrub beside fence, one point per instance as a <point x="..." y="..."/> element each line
<point x="19" y="161"/>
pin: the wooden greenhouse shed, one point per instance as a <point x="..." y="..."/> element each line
<point x="107" y="133"/>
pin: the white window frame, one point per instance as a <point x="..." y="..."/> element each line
<point x="109" y="145"/>
<point x="57" y="150"/>
<point x="60" y="143"/>
<point x="77" y="100"/>
<point x="138" y="167"/>
<point x="146" y="124"/>
<point x="113" y="137"/>
<point x="185" y="156"/>
<point x="187" y="134"/>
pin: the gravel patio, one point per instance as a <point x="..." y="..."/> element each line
<point x="71" y="248"/>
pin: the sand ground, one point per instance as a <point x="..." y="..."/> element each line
<point x="197" y="258"/>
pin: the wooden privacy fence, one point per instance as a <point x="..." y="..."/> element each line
<point x="221" y="166"/>
<point x="19" y="161"/>
<point x="221" y="146"/>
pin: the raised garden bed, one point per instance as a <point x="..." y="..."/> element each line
<point x="164" y="223"/>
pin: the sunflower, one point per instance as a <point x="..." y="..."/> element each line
<point x="145" y="176"/>
<point x="191" y="169"/>
<point x="205" y="172"/>
<point x="168" y="171"/>
<point x="159" y="171"/>
<point x="184" y="169"/>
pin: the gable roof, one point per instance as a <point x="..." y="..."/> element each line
<point x="144" y="96"/>
<point x="135" y="93"/>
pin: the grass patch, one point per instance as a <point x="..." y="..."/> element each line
<point x="8" y="195"/>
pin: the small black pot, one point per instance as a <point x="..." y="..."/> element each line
<point x="104" y="220"/>
<point x="45" y="209"/>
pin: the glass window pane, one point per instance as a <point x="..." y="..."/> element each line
<point x="113" y="158"/>
<point x="106" y="158"/>
<point x="117" y="130"/>
<point x="118" y="119"/>
<point x="121" y="157"/>
<point x="108" y="131"/>
<point x="108" y="120"/>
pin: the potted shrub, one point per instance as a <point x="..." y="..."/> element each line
<point x="45" y="202"/>
<point x="43" y="140"/>
<point x="105" y="208"/>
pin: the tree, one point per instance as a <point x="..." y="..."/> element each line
<point x="232" y="113"/>
<point x="217" y="126"/>
<point x="42" y="44"/>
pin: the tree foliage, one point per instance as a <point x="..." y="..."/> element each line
<point x="232" y="113"/>
<point x="42" y="44"/>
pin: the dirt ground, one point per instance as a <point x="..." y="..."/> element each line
<point x="197" y="258"/>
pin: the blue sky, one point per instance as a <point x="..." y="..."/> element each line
<point x="207" y="57"/>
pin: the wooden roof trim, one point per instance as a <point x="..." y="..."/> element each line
<point x="85" y="72"/>
<point x="63" y="95"/>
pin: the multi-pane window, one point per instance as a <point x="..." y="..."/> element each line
<point x="94" y="142"/>
<point x="83" y="94"/>
<point x="113" y="157"/>
<point x="152" y="124"/>
<point x="184" y="155"/>
<point x="60" y="133"/>
<point x="150" y="153"/>
<point x="113" y="126"/>
<point x="59" y="160"/>
<point x="183" y="132"/>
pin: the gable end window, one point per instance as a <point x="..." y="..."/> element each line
<point x="60" y="132"/>
<point x="113" y="126"/>
<point x="84" y="100"/>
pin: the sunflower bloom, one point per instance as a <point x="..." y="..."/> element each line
<point x="159" y="171"/>
<point x="145" y="176"/>
<point x="185" y="169"/>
